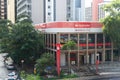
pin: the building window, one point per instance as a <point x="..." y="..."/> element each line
<point x="82" y="41"/>
<point x="49" y="13"/>
<point x="63" y="38"/>
<point x="91" y="41"/>
<point x="100" y="40"/>
<point x="74" y="37"/>
<point x="49" y="7"/>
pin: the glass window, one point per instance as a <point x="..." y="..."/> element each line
<point x="91" y="41"/>
<point x="100" y="40"/>
<point x="82" y="41"/>
<point x="48" y="6"/>
<point x="74" y="37"/>
<point x="49" y="13"/>
<point x="107" y="42"/>
<point x="63" y="38"/>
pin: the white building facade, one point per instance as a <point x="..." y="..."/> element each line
<point x="76" y="9"/>
<point x="42" y="11"/>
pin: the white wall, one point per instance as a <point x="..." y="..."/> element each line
<point x="11" y="10"/>
<point x="37" y="11"/>
<point x="61" y="10"/>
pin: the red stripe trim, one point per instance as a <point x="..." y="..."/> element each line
<point x="69" y="25"/>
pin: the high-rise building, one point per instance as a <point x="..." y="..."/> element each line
<point x="76" y="10"/>
<point x="88" y="14"/>
<point x="95" y="9"/>
<point x="23" y="7"/>
<point x="3" y="9"/>
<point x="43" y="10"/>
<point x="11" y="10"/>
<point x="52" y="10"/>
<point x="97" y="12"/>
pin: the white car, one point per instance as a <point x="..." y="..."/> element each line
<point x="12" y="76"/>
<point x="10" y="66"/>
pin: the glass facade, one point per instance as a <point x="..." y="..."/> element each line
<point x="91" y="41"/>
<point x="63" y="38"/>
<point x="82" y="41"/>
<point x="99" y="41"/>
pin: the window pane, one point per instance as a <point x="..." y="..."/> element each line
<point x="100" y="40"/>
<point x="82" y="41"/>
<point x="91" y="41"/>
<point x="63" y="38"/>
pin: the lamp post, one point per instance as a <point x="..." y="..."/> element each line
<point x="22" y="61"/>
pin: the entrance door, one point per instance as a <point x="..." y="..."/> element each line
<point x="81" y="59"/>
<point x="97" y="56"/>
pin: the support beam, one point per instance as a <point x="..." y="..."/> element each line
<point x="103" y="54"/>
<point x="87" y="56"/>
<point x="112" y="52"/>
<point x="78" y="56"/>
<point x="95" y="57"/>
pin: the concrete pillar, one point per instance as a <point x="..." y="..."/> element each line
<point x="78" y="56"/>
<point x="87" y="56"/>
<point x="95" y="57"/>
<point x="103" y="54"/>
<point x="69" y="61"/>
<point x="111" y="52"/>
<point x="69" y="66"/>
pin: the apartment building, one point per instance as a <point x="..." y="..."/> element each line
<point x="42" y="11"/>
<point x="3" y="9"/>
<point x="11" y="10"/>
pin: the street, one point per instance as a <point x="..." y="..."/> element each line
<point x="3" y="71"/>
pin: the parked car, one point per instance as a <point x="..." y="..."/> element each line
<point x="9" y="63"/>
<point x="10" y="66"/>
<point x="12" y="76"/>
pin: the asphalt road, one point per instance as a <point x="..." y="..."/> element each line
<point x="3" y="71"/>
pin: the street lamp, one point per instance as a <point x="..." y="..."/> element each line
<point x="22" y="61"/>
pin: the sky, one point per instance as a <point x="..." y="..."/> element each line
<point x="88" y="3"/>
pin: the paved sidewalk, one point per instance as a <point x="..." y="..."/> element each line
<point x="105" y="70"/>
<point x="95" y="77"/>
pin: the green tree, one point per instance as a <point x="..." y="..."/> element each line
<point x="111" y="22"/>
<point x="26" y="43"/>
<point x="44" y="61"/>
<point x="70" y="45"/>
<point x="5" y="27"/>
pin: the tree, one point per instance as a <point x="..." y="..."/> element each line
<point x="26" y="43"/>
<point x="44" y="61"/>
<point x="5" y="28"/>
<point x="111" y="23"/>
<point x="70" y="45"/>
